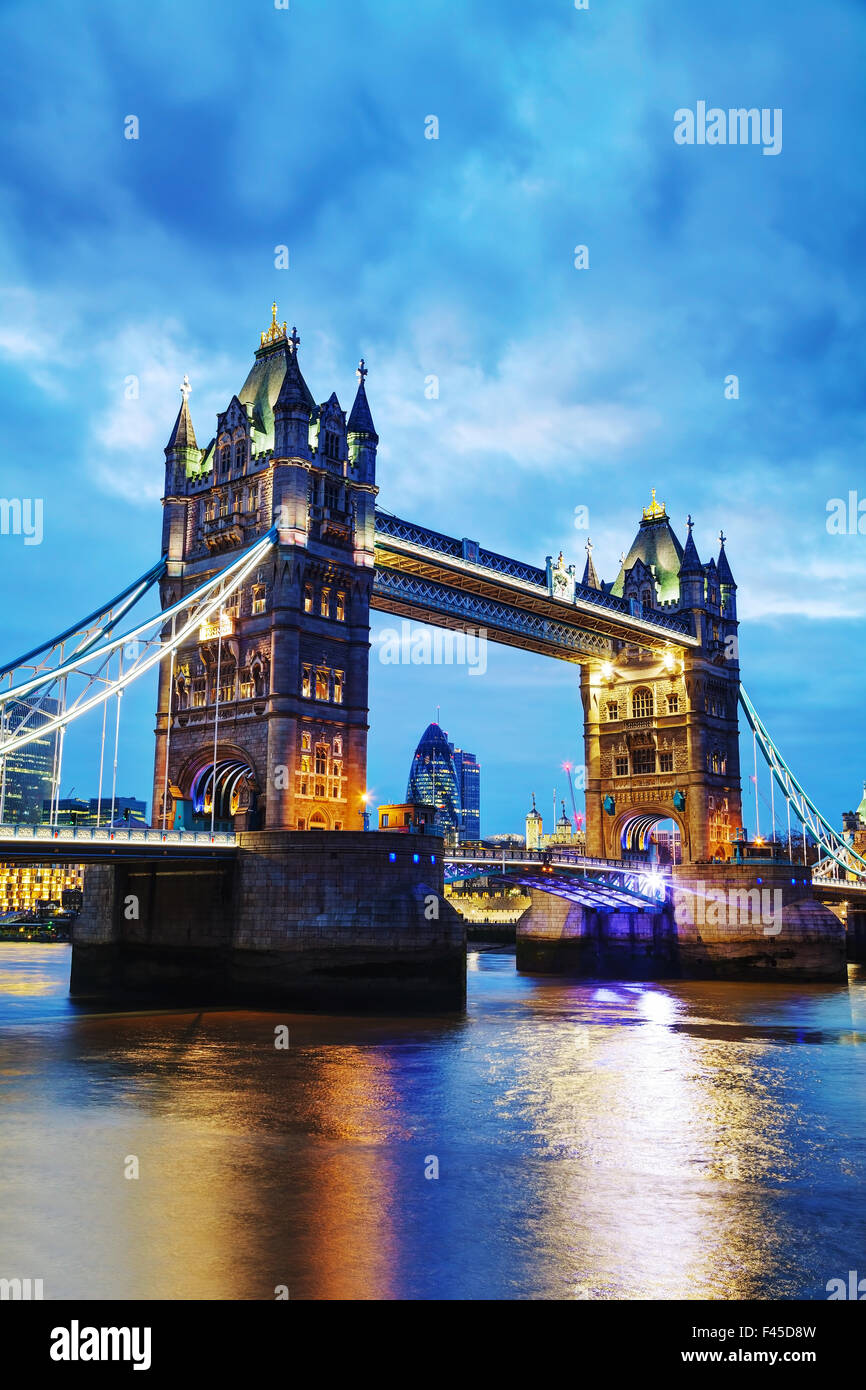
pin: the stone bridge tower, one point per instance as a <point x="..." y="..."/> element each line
<point x="661" y="730"/>
<point x="292" y="648"/>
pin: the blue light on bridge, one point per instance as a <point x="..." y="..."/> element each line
<point x="415" y="858"/>
<point x="392" y="856"/>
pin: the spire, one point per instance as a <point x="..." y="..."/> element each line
<point x="590" y="578"/>
<point x="724" y="569"/>
<point x="691" y="563"/>
<point x="655" y="511"/>
<point x="294" y="391"/>
<point x="275" y="332"/>
<point x="360" y="419"/>
<point x="183" y="434"/>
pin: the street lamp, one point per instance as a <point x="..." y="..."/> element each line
<point x="365" y="812"/>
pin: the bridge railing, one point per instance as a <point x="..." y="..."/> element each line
<point x="106" y="835"/>
<point x="549" y="856"/>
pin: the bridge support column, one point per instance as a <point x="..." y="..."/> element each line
<point x="304" y="919"/>
<point x="856" y="934"/>
<point x="559" y="937"/>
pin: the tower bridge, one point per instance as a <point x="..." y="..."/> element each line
<point x="274" y="551"/>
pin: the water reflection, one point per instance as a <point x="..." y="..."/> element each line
<point x="662" y="1141"/>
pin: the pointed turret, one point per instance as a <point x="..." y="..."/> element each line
<point x="360" y="419"/>
<point x="361" y="432"/>
<point x="292" y="408"/>
<point x="691" y="573"/>
<point x="724" y="570"/>
<point x="183" y="434"/>
<point x="590" y="578"/>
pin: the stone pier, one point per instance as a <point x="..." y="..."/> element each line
<point x="725" y="921"/>
<point x="304" y="919"/>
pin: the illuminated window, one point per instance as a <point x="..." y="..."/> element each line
<point x="341" y="608"/>
<point x="325" y="603"/>
<point x="621" y="767"/>
<point x="673" y="704"/>
<point x="338" y="746"/>
<point x="338" y="769"/>
<point x="641" y="704"/>
<point x="321" y="682"/>
<point x="258" y="604"/>
<point x="308" y="598"/>
<point x="666" y="762"/>
<point x="612" y="710"/>
<point x="338" y="687"/>
<point x="306" y="682"/>
<point x="305" y="742"/>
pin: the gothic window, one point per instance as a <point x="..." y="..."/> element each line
<point x="716" y="762"/>
<point x="646" y="598"/>
<point x="302" y="824"/>
<point x="321" y="759"/>
<point x="673" y="704"/>
<point x="321" y="682"/>
<point x="198" y="693"/>
<point x="253" y="498"/>
<point x="305" y="742"/>
<point x="338" y="687"/>
<point x="308" y="598"/>
<point x="332" y="451"/>
<point x="224" y="459"/>
<point x="306" y="682"/>
<point x="258" y="603"/>
<point x="332" y="495"/>
<point x="338" y="746"/>
<point x="621" y="767"/>
<point x="240" y="454"/>
<point x="227" y="684"/>
<point x="325" y="603"/>
<point x="338" y="772"/>
<point x="246" y="685"/>
<point x="666" y="762"/>
<point x="642" y="704"/>
<point x="612" y="710"/>
<point x="643" y="761"/>
<point x="223" y="504"/>
<point x="341" y="608"/>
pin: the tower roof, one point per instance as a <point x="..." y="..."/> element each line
<point x="691" y="562"/>
<point x="183" y="434"/>
<point x="657" y="546"/>
<point x="861" y="809"/>
<point x="725" y="575"/>
<point x="265" y="379"/>
<point x="590" y="578"/>
<point x="360" y="419"/>
<point x="294" y="391"/>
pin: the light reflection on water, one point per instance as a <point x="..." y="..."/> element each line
<point x="683" y="1140"/>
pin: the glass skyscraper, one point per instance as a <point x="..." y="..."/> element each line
<point x="468" y="771"/>
<point x="29" y="772"/>
<point x="448" y="778"/>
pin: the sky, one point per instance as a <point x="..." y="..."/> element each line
<point x="558" y="388"/>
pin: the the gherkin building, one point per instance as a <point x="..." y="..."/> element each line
<point x="433" y="779"/>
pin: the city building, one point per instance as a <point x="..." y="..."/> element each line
<point x="668" y="844"/>
<point x="410" y="817"/>
<point x="27" y="779"/>
<point x="128" y="810"/>
<point x="534" y="827"/>
<point x="26" y="887"/>
<point x="565" y="834"/>
<point x="854" y="826"/>
<point x="468" y="771"/>
<point x="433" y="780"/>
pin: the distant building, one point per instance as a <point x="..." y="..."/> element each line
<point x="128" y="810"/>
<point x="669" y="844"/>
<point x="28" y="776"/>
<point x="854" y="826"/>
<point x="433" y="780"/>
<point x="534" y="827"/>
<point x="24" y="887"/>
<point x="468" y="771"/>
<point x="565" y="834"/>
<point x="410" y="818"/>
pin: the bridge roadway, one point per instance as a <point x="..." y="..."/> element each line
<point x="457" y="584"/>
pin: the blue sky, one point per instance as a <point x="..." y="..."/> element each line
<point x="558" y="388"/>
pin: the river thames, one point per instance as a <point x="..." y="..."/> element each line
<point x="613" y="1141"/>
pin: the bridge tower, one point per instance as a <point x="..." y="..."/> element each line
<point x="282" y="675"/>
<point x="661" y="729"/>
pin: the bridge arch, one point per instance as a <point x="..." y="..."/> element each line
<point x="633" y="827"/>
<point x="232" y="780"/>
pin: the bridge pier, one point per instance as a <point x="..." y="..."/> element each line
<point x="559" y="937"/>
<point x="307" y="920"/>
<point x="856" y="934"/>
